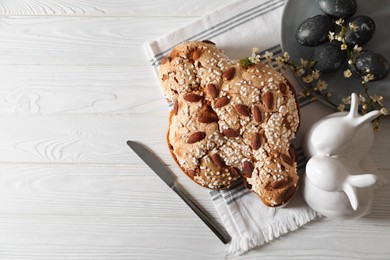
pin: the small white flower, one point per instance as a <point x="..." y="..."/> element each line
<point x="321" y="85"/>
<point x="315" y="74"/>
<point x="280" y="61"/>
<point x="300" y="72"/>
<point x="268" y="56"/>
<point x="341" y="107"/>
<point x="368" y="77"/>
<point x="308" y="79"/>
<point x="346" y="100"/>
<point x="343" y="46"/>
<point x="304" y="63"/>
<point x="353" y="26"/>
<point x="331" y="36"/>
<point x="357" y="48"/>
<point x="286" y="56"/>
<point x="340" y="21"/>
<point x="347" y="73"/>
<point x="254" y="59"/>
<point x="383" y="111"/>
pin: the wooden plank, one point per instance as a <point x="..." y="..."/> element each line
<point x="79" y="90"/>
<point x="82" y="138"/>
<point x="96" y="237"/>
<point x="94" y="190"/>
<point x="109" y="8"/>
<point x="98" y="41"/>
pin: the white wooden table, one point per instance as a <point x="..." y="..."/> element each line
<point x="75" y="84"/>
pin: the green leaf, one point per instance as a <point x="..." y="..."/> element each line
<point x="343" y="30"/>
<point x="246" y="62"/>
<point x="292" y="62"/>
<point x="312" y="64"/>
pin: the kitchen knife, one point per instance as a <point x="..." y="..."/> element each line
<point x="168" y="177"/>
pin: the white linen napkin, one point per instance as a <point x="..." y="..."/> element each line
<point x="236" y="29"/>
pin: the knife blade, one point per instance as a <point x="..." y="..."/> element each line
<point x="168" y="177"/>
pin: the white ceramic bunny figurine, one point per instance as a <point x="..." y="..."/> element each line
<point x="340" y="174"/>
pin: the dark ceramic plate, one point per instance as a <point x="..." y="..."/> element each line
<point x="296" y="11"/>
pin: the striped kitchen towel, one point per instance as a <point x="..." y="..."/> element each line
<point x="236" y="29"/>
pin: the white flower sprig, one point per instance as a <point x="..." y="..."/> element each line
<point x="367" y="102"/>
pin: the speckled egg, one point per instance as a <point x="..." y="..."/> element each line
<point x="338" y="8"/>
<point x="314" y="30"/>
<point x="368" y="62"/>
<point x="329" y="56"/>
<point x="360" y="30"/>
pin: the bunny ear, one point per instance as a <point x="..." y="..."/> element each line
<point x="368" y="117"/>
<point x="354" y="110"/>
<point x="354" y="113"/>
<point x="362" y="180"/>
<point x="352" y="196"/>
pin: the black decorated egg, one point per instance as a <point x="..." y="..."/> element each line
<point x="329" y="56"/>
<point x="360" y="30"/>
<point x="368" y="62"/>
<point x="314" y="30"/>
<point x="338" y="8"/>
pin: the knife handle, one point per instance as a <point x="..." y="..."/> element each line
<point x="219" y="232"/>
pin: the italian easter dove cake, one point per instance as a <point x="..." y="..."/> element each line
<point x="231" y="122"/>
